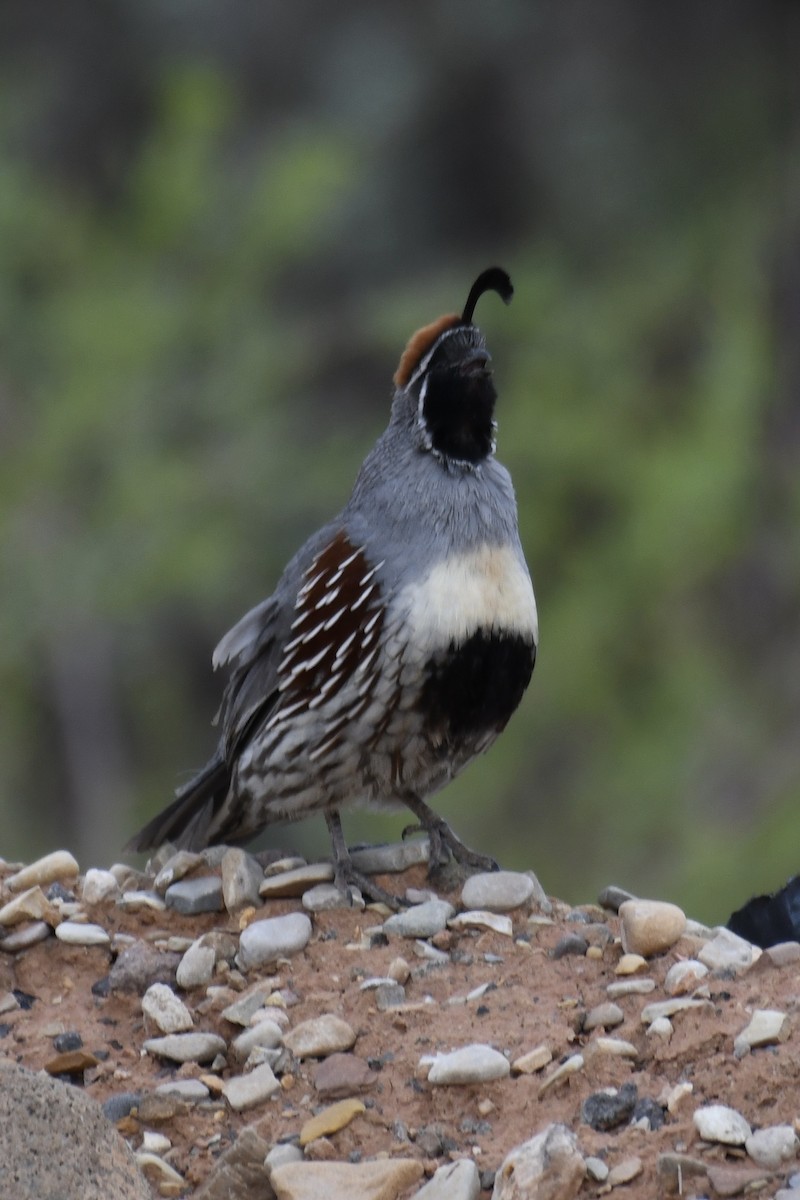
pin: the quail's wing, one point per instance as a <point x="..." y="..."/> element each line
<point x="299" y="648"/>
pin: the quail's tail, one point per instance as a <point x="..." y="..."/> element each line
<point x="186" y="822"/>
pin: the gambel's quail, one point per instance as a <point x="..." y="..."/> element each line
<point x="400" y="638"/>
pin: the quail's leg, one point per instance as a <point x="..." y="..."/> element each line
<point x="443" y="841"/>
<point x="345" y="875"/>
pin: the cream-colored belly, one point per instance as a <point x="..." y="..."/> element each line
<point x="488" y="588"/>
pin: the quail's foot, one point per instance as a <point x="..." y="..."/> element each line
<point x="444" y="844"/>
<point x="345" y="875"/>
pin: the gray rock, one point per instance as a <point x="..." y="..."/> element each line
<point x="177" y="865"/>
<point x="245" y="1091"/>
<point x="454" y="1181"/>
<point x="320" y="1036"/>
<point x="571" y="944"/>
<point x="241" y="879"/>
<point x="25" y="935"/>
<point x="140" y="965"/>
<point x="389" y="995"/>
<point x="603" y="1016"/>
<point x="726" y="951"/>
<point x="326" y="896"/>
<point x="78" y="933"/>
<point x="186" y="1047"/>
<point x="281" y="1154"/>
<point x="196" y="968"/>
<point x="191" y="1090"/>
<point x="421" y="921"/>
<point x="549" y="1164"/>
<point x="498" y="891"/>
<point x="469" y="1064"/>
<point x="386" y="860"/>
<point x="272" y="938"/>
<point x="121" y="1105"/>
<point x="265" y="1033"/>
<point x="766" y="1027"/>
<point x="55" y="1142"/>
<point x="168" y="1013"/>
<point x="243" y="1009"/>
<point x="773" y="1146"/>
<point x="718" y="1123"/>
<point x="240" y="1173"/>
<point x="190" y="896"/>
<point x="614" y="897"/>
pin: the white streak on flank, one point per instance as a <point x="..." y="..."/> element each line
<point x="306" y="588"/>
<point x="365" y="595"/>
<point x="331" y="621"/>
<point x="345" y="646"/>
<point x="371" y="623"/>
<point x="488" y="588"/>
<point x="371" y="572"/>
<point x="309" y="664"/>
<point x="340" y="570"/>
<point x="328" y="597"/>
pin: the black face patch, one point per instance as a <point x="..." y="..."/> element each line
<point x="475" y="687"/>
<point x="458" y="411"/>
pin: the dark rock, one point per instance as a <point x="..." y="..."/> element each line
<point x="122" y="1105"/>
<point x="571" y="943"/>
<point x="64" y="1042"/>
<point x="603" y="1110"/>
<point x="140" y="965"/>
<point x="651" y="1109"/>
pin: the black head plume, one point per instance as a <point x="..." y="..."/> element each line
<point x="493" y="279"/>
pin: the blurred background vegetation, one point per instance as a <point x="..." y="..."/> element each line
<point x="218" y="226"/>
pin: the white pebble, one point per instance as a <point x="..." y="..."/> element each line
<point x="766" y="1027"/>
<point x="245" y="1091"/>
<point x="498" y="891"/>
<point x="718" y="1123"/>
<point x="272" y="938"/>
<point x="469" y="1064"/>
<point x="99" y="886"/>
<point x="196" y="968"/>
<point x="726" y="951"/>
<point x="683" y="977"/>
<point x="58" y="865"/>
<point x="167" y="1012"/>
<point x="74" y="933"/>
<point x="773" y="1146"/>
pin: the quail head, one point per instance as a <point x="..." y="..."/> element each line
<point x="399" y="639"/>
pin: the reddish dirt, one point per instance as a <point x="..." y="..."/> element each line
<point x="534" y="999"/>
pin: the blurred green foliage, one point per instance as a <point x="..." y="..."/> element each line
<point x="199" y="324"/>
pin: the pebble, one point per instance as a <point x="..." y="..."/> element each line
<point x="342" y="1075"/>
<point x="483" y="919"/>
<point x="389" y="995"/>
<point x="31" y="905"/>
<point x="74" y="933"/>
<point x="596" y="1169"/>
<point x="570" y="1066"/>
<point x="674" y="1171"/>
<point x="661" y="1028"/>
<point x="533" y="1061"/>
<point x="766" y="1027"/>
<point x="773" y="1146"/>
<point x="191" y="896"/>
<point x="609" y="1045"/>
<point x="571" y="944"/>
<point x="399" y="970"/>
<point x="718" y="1123"/>
<point x="196" y="968"/>
<point x="63" y="1043"/>
<point x="265" y="1033"/>
<point x="420" y="921"/>
<point x="630" y="987"/>
<point x="191" y="1090"/>
<point x="453" y="1181"/>
<point x="469" y="1064"/>
<point x="25" y="935"/>
<point x="74" y="1062"/>
<point x="160" y="1173"/>
<point x="629" y="964"/>
<point x="138" y="900"/>
<point x="625" y="1171"/>
<point x="783" y="954"/>
<point x="186" y="1047"/>
<point x="115" y="1108"/>
<point x="497" y="891"/>
<point x="390" y="859"/>
<point x="296" y="881"/>
<point x="242" y="1010"/>
<point x="266" y="940"/>
<point x="58" y="865"/>
<point x="155" y="1143"/>
<point x="330" y="1120"/>
<point x="613" y="897"/>
<point x="326" y="897"/>
<point x="320" y="1036"/>
<point x="176" y="867"/>
<point x="99" y="886"/>
<point x="650" y="926"/>
<point x="603" y="1016"/>
<point x="241" y="878"/>
<point x="683" y="977"/>
<point x="607" y="1109"/>
<point x="726" y="951"/>
<point x="245" y="1091"/>
<point x="167" y="1012"/>
<point x="668" y="1008"/>
<point x="282" y="1153"/>
<point x="381" y="1179"/>
<point x="549" y="1164"/>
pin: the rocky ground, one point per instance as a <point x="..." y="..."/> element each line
<point x="223" y="1016"/>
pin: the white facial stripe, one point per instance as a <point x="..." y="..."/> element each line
<point x="423" y="362"/>
<point x="486" y="588"/>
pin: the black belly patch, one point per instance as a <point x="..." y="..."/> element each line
<point x="474" y="687"/>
